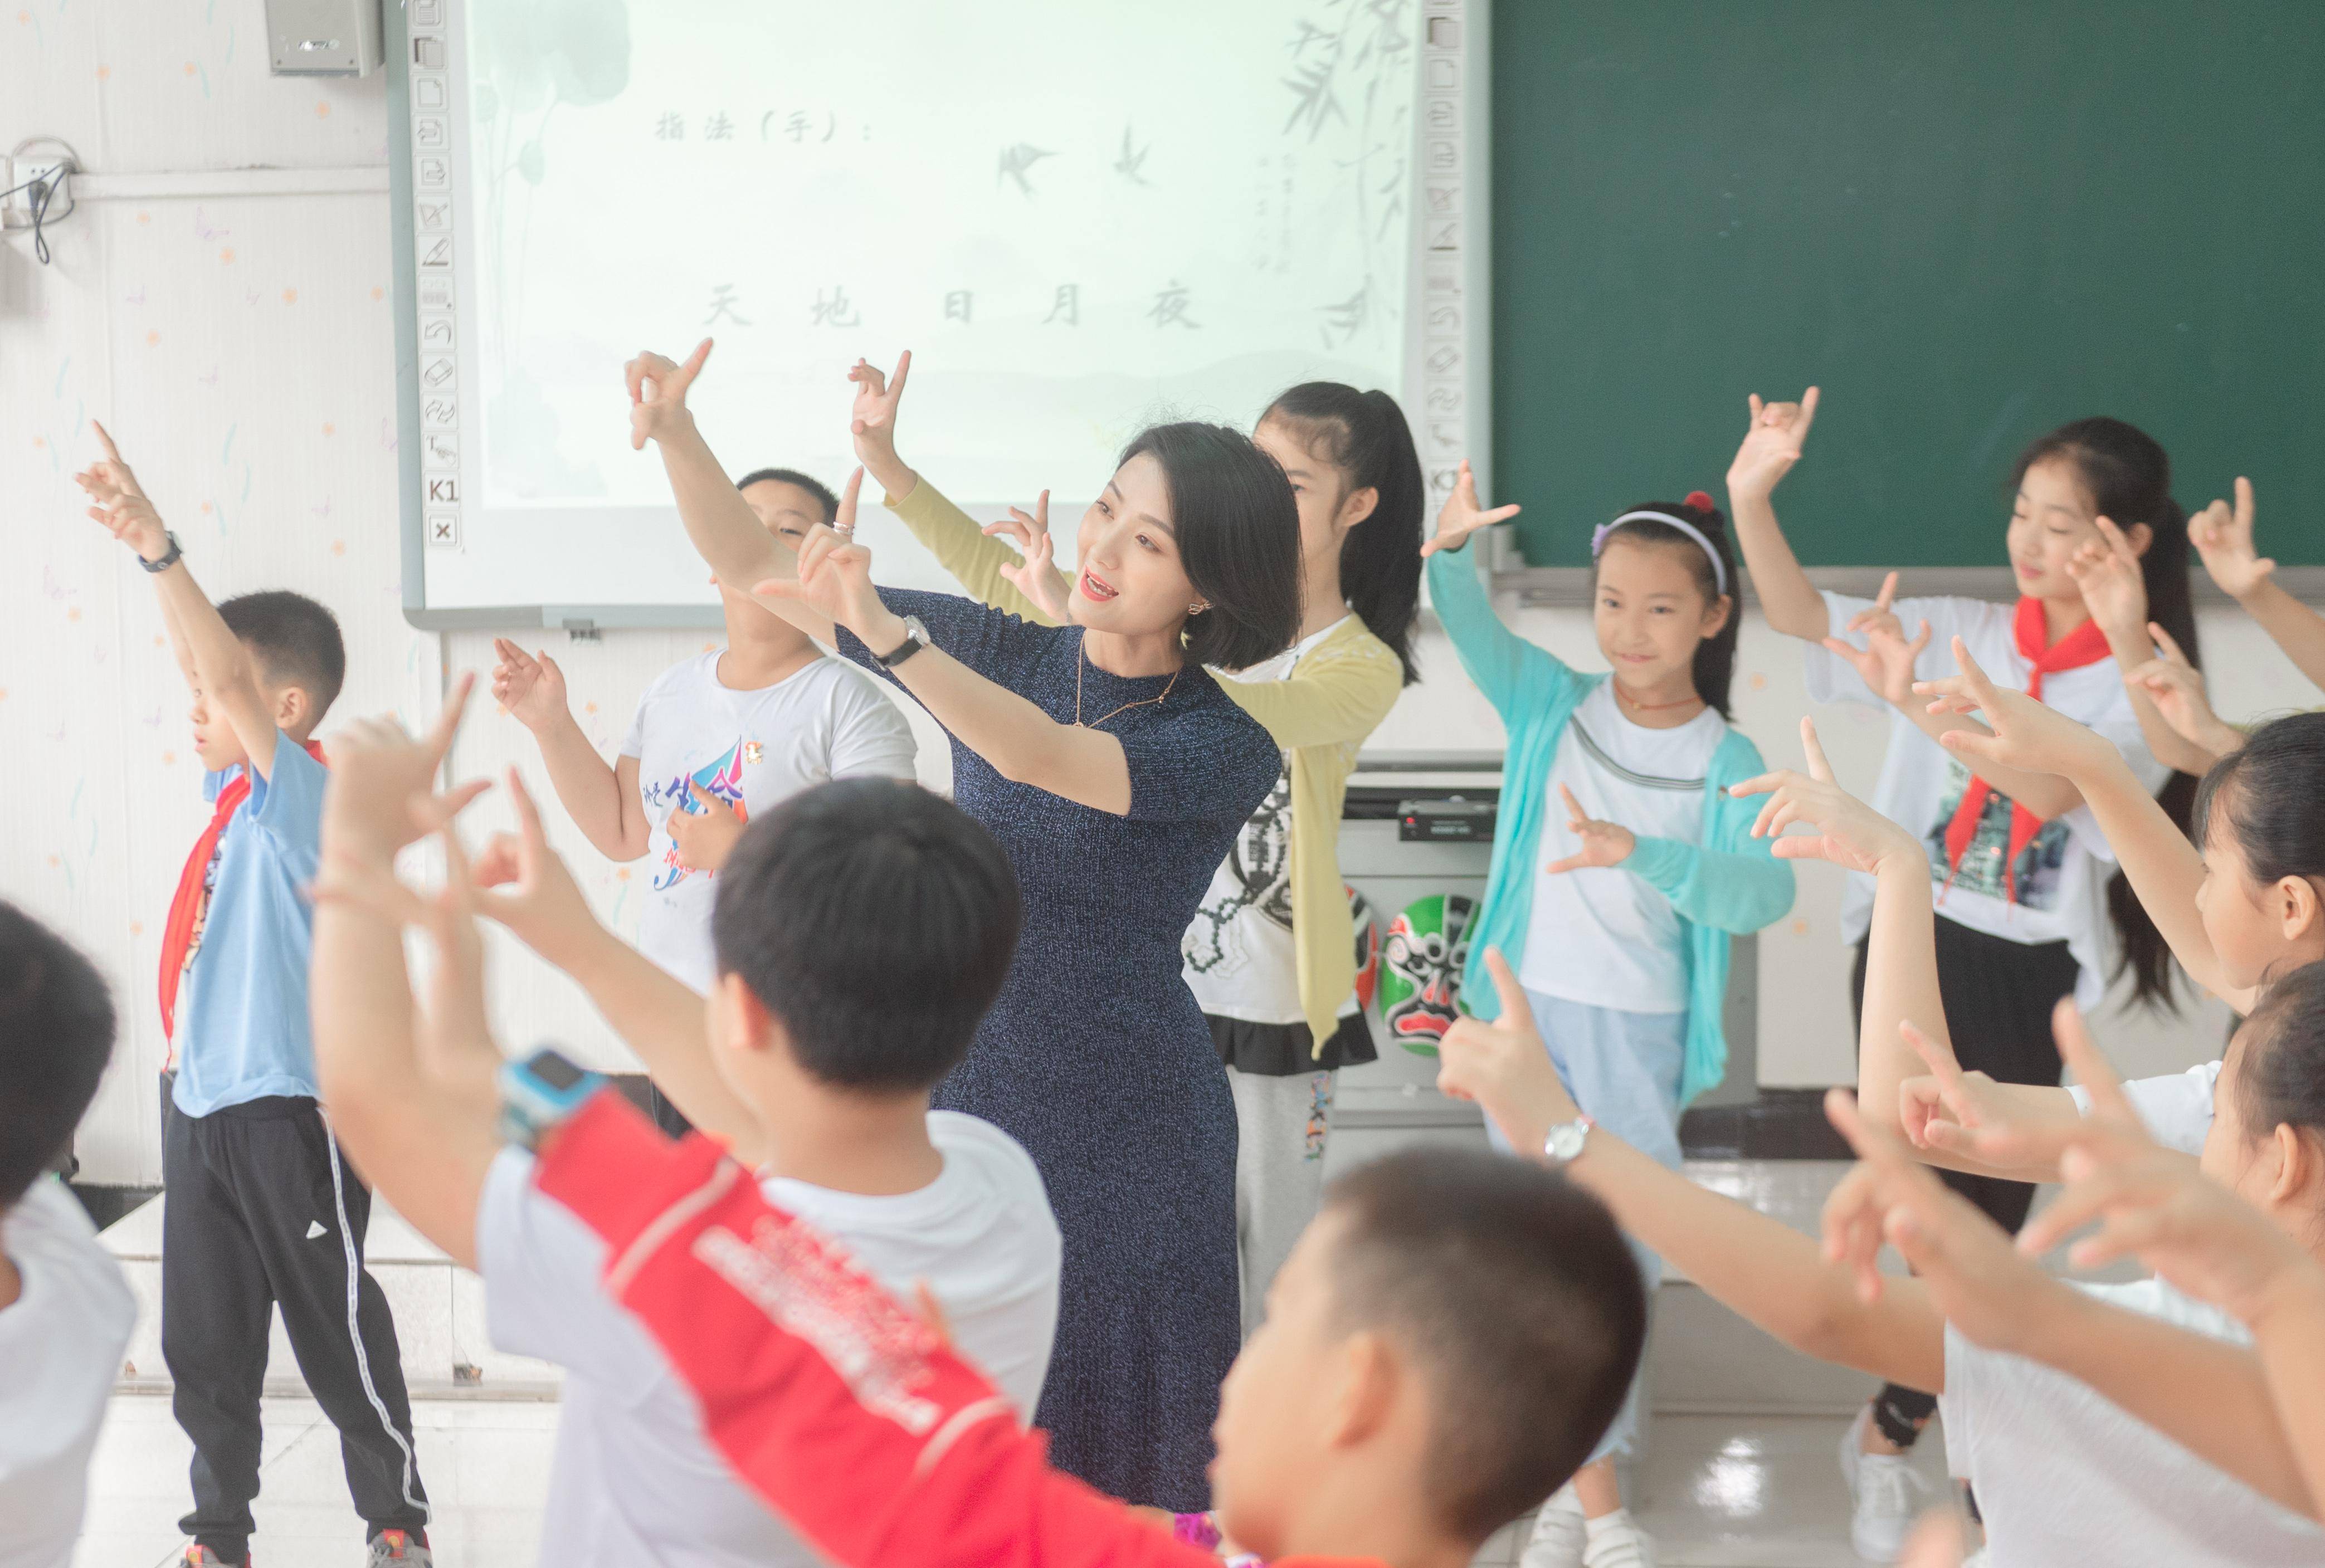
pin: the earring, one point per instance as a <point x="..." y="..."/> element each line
<point x="1197" y="609"/>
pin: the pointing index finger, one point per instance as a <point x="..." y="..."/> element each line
<point x="1514" y="1005"/>
<point x="2092" y="1070"/>
<point x="1819" y="767"/>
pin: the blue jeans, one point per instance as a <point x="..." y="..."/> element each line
<point x="1623" y="1068"/>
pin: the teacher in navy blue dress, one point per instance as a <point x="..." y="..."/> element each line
<point x="1115" y="773"/>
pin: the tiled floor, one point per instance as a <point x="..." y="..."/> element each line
<point x="1717" y="1491"/>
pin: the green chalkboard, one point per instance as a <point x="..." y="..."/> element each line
<point x="1969" y="222"/>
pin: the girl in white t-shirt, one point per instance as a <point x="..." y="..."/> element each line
<point x="2019" y="870"/>
<point x="1621" y="864"/>
<point x="2054" y="1391"/>
<point x="2247" y="909"/>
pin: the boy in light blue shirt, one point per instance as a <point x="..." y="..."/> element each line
<point x="259" y="1209"/>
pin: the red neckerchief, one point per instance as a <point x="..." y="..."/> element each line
<point x="186" y="904"/>
<point x="2086" y="644"/>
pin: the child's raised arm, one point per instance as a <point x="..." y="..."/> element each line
<point x="1772" y="445"/>
<point x="2165" y="869"/>
<point x="601" y="800"/>
<point x="1900" y="964"/>
<point x="1494" y="657"/>
<point x="1024" y="581"/>
<point x="2206" y="1394"/>
<point x="2207" y="1243"/>
<point x="2107" y="569"/>
<point x="2223" y="536"/>
<point x="1761" y="1268"/>
<point x="726" y="532"/>
<point x="216" y="663"/>
<point x="528" y="889"/>
<point x="416" y="1109"/>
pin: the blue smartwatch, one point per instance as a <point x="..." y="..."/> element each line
<point x="541" y="1094"/>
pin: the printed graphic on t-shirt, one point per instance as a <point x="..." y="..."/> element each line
<point x="722" y="779"/>
<point x="1982" y="869"/>
<point x="1261" y="867"/>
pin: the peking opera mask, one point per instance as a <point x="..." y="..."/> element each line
<point x="1422" y="960"/>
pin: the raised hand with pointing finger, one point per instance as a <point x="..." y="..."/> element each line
<point x="1463" y="515"/>
<point x="2178" y="691"/>
<point x="1772" y="443"/>
<point x="1850" y="833"/>
<point x="1604" y="843"/>
<point x="872" y="421"/>
<point x="658" y="389"/>
<point x="1887" y="662"/>
<point x="835" y="576"/>
<point x="1504" y="1068"/>
<point x="529" y="685"/>
<point x="1036" y="576"/>
<point x="2223" y="536"/>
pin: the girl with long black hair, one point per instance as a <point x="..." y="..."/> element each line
<point x="2030" y="906"/>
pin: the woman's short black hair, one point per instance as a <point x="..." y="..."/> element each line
<point x="56" y="1035"/>
<point x="1364" y="437"/>
<point x="1238" y="525"/>
<point x="875" y="922"/>
<point x="1714" y="657"/>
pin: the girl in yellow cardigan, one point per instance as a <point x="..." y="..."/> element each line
<point x="1272" y="955"/>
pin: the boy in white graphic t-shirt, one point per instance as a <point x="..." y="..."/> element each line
<point x="716" y="739"/>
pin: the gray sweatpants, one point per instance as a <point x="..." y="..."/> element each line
<point x="1281" y="1127"/>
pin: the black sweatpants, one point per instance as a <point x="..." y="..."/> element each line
<point x="1998" y="995"/>
<point x="260" y="1209"/>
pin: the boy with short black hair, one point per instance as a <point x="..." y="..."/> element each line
<point x="862" y="929"/>
<point x="65" y="1311"/>
<point x="260" y="1211"/>
<point x="1446" y="1343"/>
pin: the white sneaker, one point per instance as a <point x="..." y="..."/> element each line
<point x="1558" y="1538"/>
<point x="1886" y="1495"/>
<point x="1615" y="1541"/>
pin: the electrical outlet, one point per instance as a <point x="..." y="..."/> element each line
<point x="29" y="182"/>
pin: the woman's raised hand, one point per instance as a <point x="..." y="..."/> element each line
<point x="2223" y="536"/>
<point x="872" y="419"/>
<point x="1462" y="516"/>
<point x="2024" y="734"/>
<point x="1772" y="444"/>
<point x="835" y="576"/>
<point x="1037" y="576"/>
<point x="1887" y="662"/>
<point x="1849" y="833"/>
<point x="1604" y="843"/>
<point x="658" y="390"/>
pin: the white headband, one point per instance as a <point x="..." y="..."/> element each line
<point x="1718" y="567"/>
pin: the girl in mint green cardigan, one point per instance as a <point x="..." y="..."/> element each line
<point x="1621" y="863"/>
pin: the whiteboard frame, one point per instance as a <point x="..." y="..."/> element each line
<point x="1444" y="434"/>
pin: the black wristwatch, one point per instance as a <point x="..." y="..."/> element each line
<point x="916" y="637"/>
<point x="167" y="560"/>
